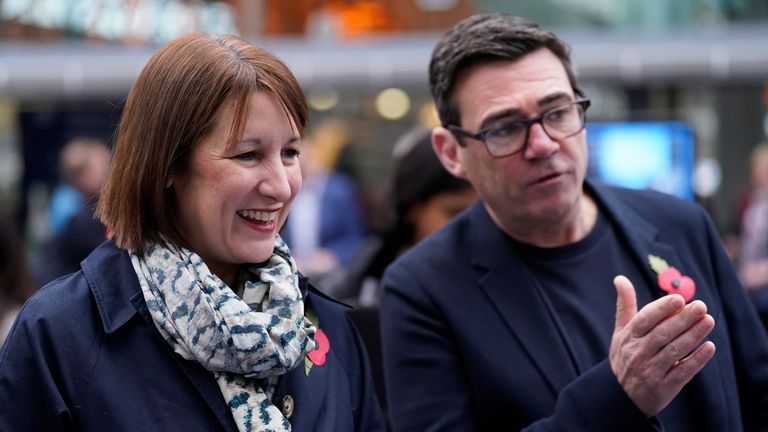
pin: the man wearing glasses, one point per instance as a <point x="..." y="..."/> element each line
<point x="521" y="312"/>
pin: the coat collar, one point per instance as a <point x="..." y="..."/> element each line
<point x="512" y="290"/>
<point x="118" y="298"/>
<point x="115" y="289"/>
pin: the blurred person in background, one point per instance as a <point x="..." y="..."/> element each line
<point x="329" y="224"/>
<point x="194" y="316"/>
<point x="16" y="283"/>
<point x="753" y="255"/>
<point x="64" y="203"/>
<point x="83" y="164"/>
<point x="421" y="198"/>
<point x="522" y="312"/>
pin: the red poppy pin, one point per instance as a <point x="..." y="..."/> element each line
<point x="671" y="280"/>
<point x="318" y="355"/>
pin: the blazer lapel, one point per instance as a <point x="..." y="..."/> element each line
<point x="640" y="236"/>
<point x="513" y="294"/>
<point x="643" y="241"/>
<point x="119" y="298"/>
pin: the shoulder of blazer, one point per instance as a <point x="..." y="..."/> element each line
<point x="653" y="206"/>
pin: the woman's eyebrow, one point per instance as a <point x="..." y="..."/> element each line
<point x="249" y="140"/>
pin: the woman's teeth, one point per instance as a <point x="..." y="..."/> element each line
<point x="258" y="216"/>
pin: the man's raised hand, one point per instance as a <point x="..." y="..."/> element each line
<point x="656" y="351"/>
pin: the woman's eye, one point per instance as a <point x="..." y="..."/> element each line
<point x="250" y="155"/>
<point x="291" y="153"/>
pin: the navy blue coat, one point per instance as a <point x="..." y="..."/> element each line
<point x="84" y="355"/>
<point x="468" y="342"/>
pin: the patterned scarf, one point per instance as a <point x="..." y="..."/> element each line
<point x="247" y="342"/>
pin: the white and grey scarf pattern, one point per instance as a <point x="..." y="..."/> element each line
<point x="247" y="342"/>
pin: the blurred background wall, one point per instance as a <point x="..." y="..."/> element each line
<point x="678" y="87"/>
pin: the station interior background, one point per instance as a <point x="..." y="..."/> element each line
<point x="697" y="69"/>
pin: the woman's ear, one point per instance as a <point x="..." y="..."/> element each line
<point x="447" y="149"/>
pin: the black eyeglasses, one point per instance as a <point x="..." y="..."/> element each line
<point x="509" y="137"/>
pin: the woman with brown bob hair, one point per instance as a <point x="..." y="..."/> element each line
<point x="193" y="315"/>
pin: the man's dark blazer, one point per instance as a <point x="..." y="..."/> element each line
<point x="468" y="346"/>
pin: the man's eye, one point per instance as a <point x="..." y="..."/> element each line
<point x="505" y="130"/>
<point x="559" y="114"/>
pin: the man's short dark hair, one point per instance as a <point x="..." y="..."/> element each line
<point x="485" y="38"/>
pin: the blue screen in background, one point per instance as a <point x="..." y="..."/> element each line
<point x="643" y="154"/>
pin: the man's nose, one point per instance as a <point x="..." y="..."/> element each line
<point x="539" y="144"/>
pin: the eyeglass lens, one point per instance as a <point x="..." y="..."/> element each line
<point x="559" y="122"/>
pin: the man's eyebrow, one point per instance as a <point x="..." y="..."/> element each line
<point x="554" y="97"/>
<point x="513" y="112"/>
<point x="503" y="114"/>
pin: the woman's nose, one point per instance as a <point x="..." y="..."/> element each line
<point x="275" y="183"/>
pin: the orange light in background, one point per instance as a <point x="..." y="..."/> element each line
<point x="361" y="17"/>
<point x="349" y="18"/>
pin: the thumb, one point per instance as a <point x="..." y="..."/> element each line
<point x="626" y="302"/>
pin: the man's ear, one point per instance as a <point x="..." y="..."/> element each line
<point x="446" y="147"/>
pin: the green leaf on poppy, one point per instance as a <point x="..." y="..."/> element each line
<point x="657" y="264"/>
<point x="307" y="365"/>
<point x="311" y="316"/>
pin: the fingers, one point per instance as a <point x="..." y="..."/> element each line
<point x="654" y="352"/>
<point x="626" y="301"/>
<point x="684" y="337"/>
<point x="684" y="370"/>
<point x="653" y="313"/>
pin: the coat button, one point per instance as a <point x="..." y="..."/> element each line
<point x="287" y="408"/>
